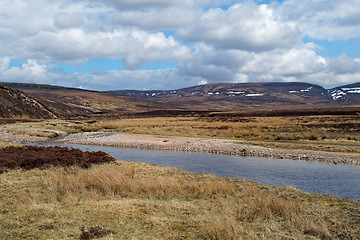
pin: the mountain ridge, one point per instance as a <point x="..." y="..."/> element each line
<point x="219" y="96"/>
<point x="72" y="102"/>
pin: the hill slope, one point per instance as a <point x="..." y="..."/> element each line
<point x="18" y="104"/>
<point x="72" y="102"/>
<point x="229" y="96"/>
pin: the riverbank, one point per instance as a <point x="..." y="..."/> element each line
<point x="206" y="145"/>
<point x="31" y="132"/>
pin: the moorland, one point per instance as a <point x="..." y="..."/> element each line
<point x="126" y="200"/>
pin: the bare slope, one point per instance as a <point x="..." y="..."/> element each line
<point x="72" y="102"/>
<point x="18" y="104"/>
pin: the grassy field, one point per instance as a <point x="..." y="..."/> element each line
<point x="142" y="201"/>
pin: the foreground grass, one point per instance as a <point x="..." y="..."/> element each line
<point x="142" y="201"/>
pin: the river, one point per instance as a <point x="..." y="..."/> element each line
<point x="315" y="177"/>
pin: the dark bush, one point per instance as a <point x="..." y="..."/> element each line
<point x="30" y="157"/>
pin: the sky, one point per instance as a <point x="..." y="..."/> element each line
<point x="172" y="44"/>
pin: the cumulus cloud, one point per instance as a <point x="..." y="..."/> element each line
<point x="244" y="26"/>
<point x="297" y="64"/>
<point x="66" y="20"/>
<point x="323" y="19"/>
<point x="141" y="4"/>
<point x="144" y="4"/>
<point x="213" y="41"/>
<point x="155" y="19"/>
<point x="343" y="65"/>
<point x="31" y="71"/>
<point x="135" y="47"/>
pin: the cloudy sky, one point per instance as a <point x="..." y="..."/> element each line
<point x="170" y="44"/>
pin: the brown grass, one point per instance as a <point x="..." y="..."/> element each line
<point x="136" y="200"/>
<point x="5" y="144"/>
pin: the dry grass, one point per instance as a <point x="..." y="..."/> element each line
<point x="36" y="133"/>
<point x="142" y="201"/>
<point x="5" y="144"/>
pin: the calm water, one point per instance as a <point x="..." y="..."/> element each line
<point x="337" y="180"/>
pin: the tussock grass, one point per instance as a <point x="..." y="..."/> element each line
<point x="35" y="133"/>
<point x="142" y="201"/>
<point x="5" y="144"/>
<point x="108" y="181"/>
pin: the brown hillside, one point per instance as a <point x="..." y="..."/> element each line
<point x="68" y="102"/>
<point x="18" y="104"/>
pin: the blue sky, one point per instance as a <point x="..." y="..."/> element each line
<point x="170" y="44"/>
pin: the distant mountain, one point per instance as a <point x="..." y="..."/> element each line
<point x="17" y="104"/>
<point x="232" y="96"/>
<point x="346" y="93"/>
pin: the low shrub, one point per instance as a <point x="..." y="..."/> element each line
<point x="30" y="157"/>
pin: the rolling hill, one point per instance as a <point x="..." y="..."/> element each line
<point x="235" y="96"/>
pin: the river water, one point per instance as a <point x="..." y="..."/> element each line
<point x="337" y="180"/>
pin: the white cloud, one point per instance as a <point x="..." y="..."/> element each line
<point x="54" y="31"/>
<point x="156" y="19"/>
<point x="285" y="62"/>
<point x="343" y="65"/>
<point x="66" y="20"/>
<point x="30" y="71"/>
<point x="146" y="4"/>
<point x="74" y="45"/>
<point x="298" y="64"/>
<point x="245" y="26"/>
<point x="141" y="4"/>
<point x="323" y="19"/>
<point x="243" y="43"/>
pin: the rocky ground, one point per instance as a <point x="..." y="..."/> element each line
<point x="207" y="145"/>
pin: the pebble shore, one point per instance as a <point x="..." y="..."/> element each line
<point x="185" y="144"/>
<point x="205" y="145"/>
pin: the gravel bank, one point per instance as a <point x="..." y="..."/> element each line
<point x="7" y="136"/>
<point x="207" y="145"/>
